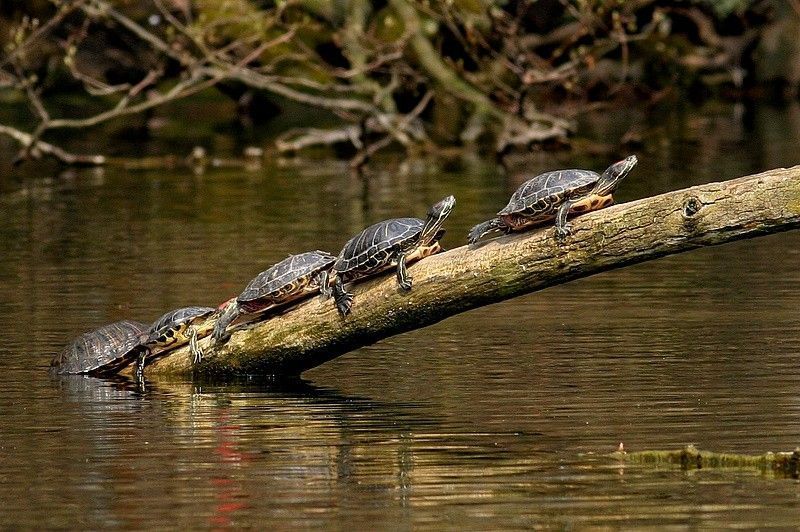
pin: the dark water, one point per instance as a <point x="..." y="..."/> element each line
<point x="493" y="419"/>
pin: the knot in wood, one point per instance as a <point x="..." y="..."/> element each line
<point x="691" y="207"/>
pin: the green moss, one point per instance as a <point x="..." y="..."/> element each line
<point x="783" y="463"/>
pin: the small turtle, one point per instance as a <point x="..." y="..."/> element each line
<point x="555" y="195"/>
<point x="289" y="280"/>
<point x="391" y="243"/>
<point x="174" y="329"/>
<point x="104" y="350"/>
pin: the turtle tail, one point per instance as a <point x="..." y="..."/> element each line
<point x="495" y="224"/>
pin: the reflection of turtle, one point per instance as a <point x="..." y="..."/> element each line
<point x="104" y="350"/>
<point x="289" y="280"/>
<point x="174" y="329"/>
<point x="394" y="242"/>
<point x="554" y="195"/>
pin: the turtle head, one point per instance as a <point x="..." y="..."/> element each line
<point x="614" y="174"/>
<point x="436" y="216"/>
<point x="442" y="209"/>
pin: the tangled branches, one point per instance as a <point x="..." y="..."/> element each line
<point x="382" y="69"/>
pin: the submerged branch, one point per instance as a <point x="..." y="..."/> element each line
<point x="785" y="464"/>
<point x="36" y="147"/>
<point x="465" y="278"/>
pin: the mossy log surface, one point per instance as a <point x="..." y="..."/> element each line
<point x="461" y="279"/>
<point x="781" y="463"/>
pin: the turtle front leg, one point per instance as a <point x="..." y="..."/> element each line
<point x="563" y="229"/>
<point x="323" y="280"/>
<point x="194" y="346"/>
<point x="228" y="316"/>
<point x="495" y="224"/>
<point x="140" y="362"/>
<point x="403" y="279"/>
<point x="343" y="298"/>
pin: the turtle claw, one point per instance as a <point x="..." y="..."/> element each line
<point x="325" y="289"/>
<point x="217" y="341"/>
<point x="403" y="279"/>
<point x="562" y="232"/>
<point x="140" y="362"/>
<point x="342" y="298"/>
<point x="194" y="348"/>
<point x="344" y="303"/>
<point x="197" y="356"/>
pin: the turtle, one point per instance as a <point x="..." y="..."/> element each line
<point x="384" y="245"/>
<point x="101" y="351"/>
<point x="285" y="282"/>
<point x="555" y="195"/>
<point x="174" y="329"/>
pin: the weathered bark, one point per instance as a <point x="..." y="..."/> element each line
<point x="462" y="279"/>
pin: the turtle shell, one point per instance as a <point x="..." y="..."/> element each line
<point x="285" y="278"/>
<point x="372" y="249"/>
<point x="105" y="349"/>
<point x="544" y="192"/>
<point x="165" y="328"/>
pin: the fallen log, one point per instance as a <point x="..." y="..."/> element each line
<point x="461" y="279"/>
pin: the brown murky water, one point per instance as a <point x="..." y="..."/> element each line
<point x="493" y="419"/>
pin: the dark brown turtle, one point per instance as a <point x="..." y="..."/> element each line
<point x="555" y="195"/>
<point x="174" y="329"/>
<point x="102" y="351"/>
<point x="391" y="243"/>
<point x="288" y="281"/>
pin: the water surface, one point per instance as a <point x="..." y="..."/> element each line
<point x="495" y="418"/>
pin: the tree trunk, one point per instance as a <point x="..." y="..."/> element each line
<point x="461" y="279"/>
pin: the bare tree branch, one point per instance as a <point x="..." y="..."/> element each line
<point x="63" y="12"/>
<point x="42" y="147"/>
<point x="500" y="72"/>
